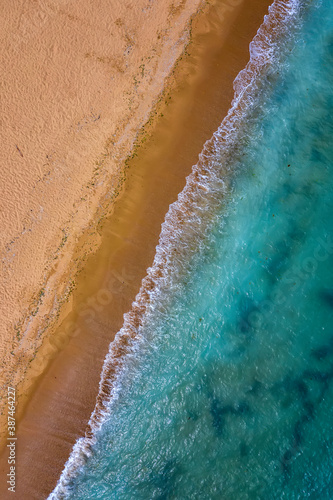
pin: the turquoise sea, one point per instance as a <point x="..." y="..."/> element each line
<point x="225" y="390"/>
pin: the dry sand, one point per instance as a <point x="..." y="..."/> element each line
<point x="62" y="397"/>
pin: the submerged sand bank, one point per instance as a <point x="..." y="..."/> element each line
<point x="64" y="395"/>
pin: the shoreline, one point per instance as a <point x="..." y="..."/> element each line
<point x="81" y="82"/>
<point x="198" y="79"/>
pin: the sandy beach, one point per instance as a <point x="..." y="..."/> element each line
<point x="79" y="80"/>
<point x="80" y="83"/>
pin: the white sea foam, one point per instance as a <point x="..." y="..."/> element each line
<point x="186" y="220"/>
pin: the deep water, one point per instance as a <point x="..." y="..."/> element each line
<point x="230" y="393"/>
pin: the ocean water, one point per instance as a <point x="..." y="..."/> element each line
<point x="225" y="386"/>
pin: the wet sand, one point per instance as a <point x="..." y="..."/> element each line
<point x="63" y="397"/>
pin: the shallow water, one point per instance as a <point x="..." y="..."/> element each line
<point x="227" y="392"/>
